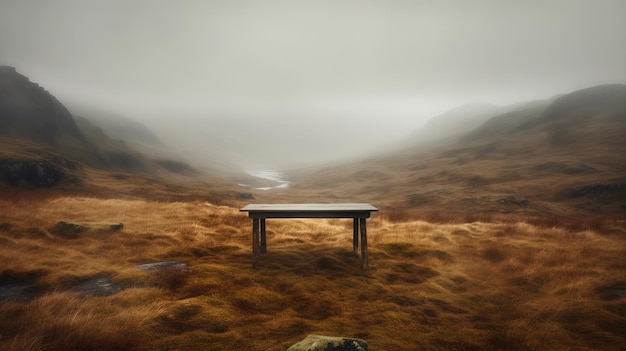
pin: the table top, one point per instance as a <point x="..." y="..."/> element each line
<point x="340" y="207"/>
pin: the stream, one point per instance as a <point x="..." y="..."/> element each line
<point x="272" y="175"/>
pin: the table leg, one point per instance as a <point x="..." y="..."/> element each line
<point x="364" y="265"/>
<point x="263" y="248"/>
<point x="255" y="242"/>
<point x="355" y="236"/>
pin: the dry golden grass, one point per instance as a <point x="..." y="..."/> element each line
<point x="431" y="286"/>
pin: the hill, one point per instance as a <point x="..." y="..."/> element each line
<point x="42" y="143"/>
<point x="136" y="135"/>
<point x="446" y="127"/>
<point x="116" y="125"/>
<point x="30" y="113"/>
<point x="557" y="157"/>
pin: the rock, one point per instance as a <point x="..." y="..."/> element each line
<point x="72" y="230"/>
<point x="67" y="230"/>
<point x="36" y="173"/>
<point x="116" y="227"/>
<point x="98" y="286"/>
<point x="510" y="200"/>
<point x="329" y="343"/>
<point x="245" y="196"/>
<point x="163" y="265"/>
<point x="596" y="189"/>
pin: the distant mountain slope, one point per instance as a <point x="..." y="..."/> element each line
<point x="116" y="153"/>
<point x="456" y="122"/>
<point x="607" y="102"/>
<point x="601" y="104"/>
<point x="115" y="125"/>
<point x="117" y="133"/>
<point x="28" y="112"/>
<point x="508" y="122"/>
<point x="39" y="136"/>
<point x="562" y="156"/>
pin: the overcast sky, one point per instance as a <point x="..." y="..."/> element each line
<point x="307" y="80"/>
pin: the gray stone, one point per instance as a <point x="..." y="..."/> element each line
<point x="98" y="286"/>
<point x="116" y="227"/>
<point x="245" y="196"/>
<point x="35" y="173"/>
<point x="329" y="343"/>
<point x="163" y="265"/>
<point x="67" y="229"/>
<point x="596" y="189"/>
<point x="74" y="230"/>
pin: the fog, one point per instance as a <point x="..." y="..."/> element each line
<point x="262" y="84"/>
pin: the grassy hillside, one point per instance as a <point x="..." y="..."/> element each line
<point x="32" y="118"/>
<point x="116" y="153"/>
<point x="445" y="128"/>
<point x="547" y="159"/>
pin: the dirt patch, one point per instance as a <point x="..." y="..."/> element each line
<point x="612" y="292"/>
<point x="23" y="290"/>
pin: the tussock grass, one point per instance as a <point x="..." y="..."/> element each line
<point x="450" y="284"/>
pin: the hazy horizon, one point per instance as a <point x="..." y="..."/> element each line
<point x="282" y="83"/>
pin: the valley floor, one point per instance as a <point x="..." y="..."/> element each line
<point x="468" y="286"/>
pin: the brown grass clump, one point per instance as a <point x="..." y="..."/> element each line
<point x="456" y="285"/>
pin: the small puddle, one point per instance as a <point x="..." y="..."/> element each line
<point x="102" y="286"/>
<point x="18" y="292"/>
<point x="162" y="265"/>
<point x="97" y="286"/>
<point x="609" y="293"/>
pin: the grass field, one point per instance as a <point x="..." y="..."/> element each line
<point x="431" y="286"/>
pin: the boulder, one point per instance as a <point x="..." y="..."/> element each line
<point x="163" y="265"/>
<point x="36" y="173"/>
<point x="328" y="343"/>
<point x="67" y="229"/>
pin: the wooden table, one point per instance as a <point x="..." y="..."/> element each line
<point x="359" y="212"/>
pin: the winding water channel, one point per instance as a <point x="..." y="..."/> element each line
<point x="271" y="175"/>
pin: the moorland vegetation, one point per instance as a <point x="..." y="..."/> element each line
<point x="445" y="286"/>
<point x="509" y="237"/>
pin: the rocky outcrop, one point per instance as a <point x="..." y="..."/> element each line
<point x="596" y="190"/>
<point x="244" y="196"/>
<point x="511" y="200"/>
<point x="24" y="164"/>
<point x="30" y="114"/>
<point x="329" y="343"/>
<point x="30" y="173"/>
